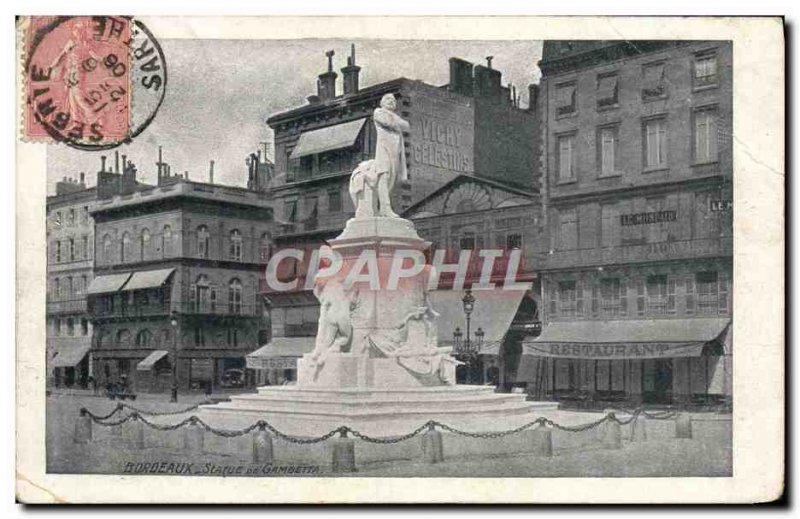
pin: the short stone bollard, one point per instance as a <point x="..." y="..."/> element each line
<point x="262" y="446"/>
<point x="137" y="435"/>
<point x="83" y="427"/>
<point x="683" y="426"/>
<point x="542" y="442"/>
<point x="639" y="429"/>
<point x="193" y="438"/>
<point x="343" y="454"/>
<point x="612" y="439"/>
<point x="432" y="447"/>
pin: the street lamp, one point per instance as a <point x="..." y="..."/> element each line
<point x="174" y="322"/>
<point x="467" y="350"/>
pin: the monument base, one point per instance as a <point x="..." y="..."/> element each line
<point x="346" y="370"/>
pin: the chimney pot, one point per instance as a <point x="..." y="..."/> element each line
<point x="102" y="162"/>
<point x="326" y="86"/>
<point x="211" y="172"/>
<point x="350" y="72"/>
<point x="116" y="162"/>
<point x="83" y="177"/>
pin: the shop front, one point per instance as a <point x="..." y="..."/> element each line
<point x="70" y="364"/>
<point x="275" y="363"/>
<point x="632" y="362"/>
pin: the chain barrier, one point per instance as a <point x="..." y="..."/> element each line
<point x="263" y="425"/>
<point x="162" y="413"/>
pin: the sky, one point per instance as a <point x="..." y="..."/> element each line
<point x="220" y="93"/>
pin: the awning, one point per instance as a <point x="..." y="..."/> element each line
<point x="607" y="87"/>
<point x="151" y="360"/>
<point x="69" y="356"/>
<point x="326" y="139"/>
<point x="564" y="95"/>
<point x="626" y="339"/>
<point x="493" y="312"/>
<point x="148" y="279"/>
<point x="108" y="284"/>
<point x="280" y="353"/>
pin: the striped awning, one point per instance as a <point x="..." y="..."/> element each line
<point x="326" y="139"/>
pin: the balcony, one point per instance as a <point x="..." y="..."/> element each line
<point x="640" y="253"/>
<point x="66" y="306"/>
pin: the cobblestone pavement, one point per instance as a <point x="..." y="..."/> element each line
<point x="708" y="453"/>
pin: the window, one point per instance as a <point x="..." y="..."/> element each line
<point x="72" y="249"/>
<point x="58" y="251"/>
<point x="56" y="295"/>
<point x="57" y="221"/>
<point x="71" y="217"/>
<point x="84" y="326"/>
<point x="654" y="86"/>
<point x="705" y="70"/>
<point x="84" y="284"/>
<point x="233" y="337"/>
<point x="611" y="298"/>
<point x="711" y="293"/>
<point x="607" y="90"/>
<point x="84" y="247"/>
<point x="236" y="245"/>
<point x="657" y="294"/>
<point x="705" y="136"/>
<point x="199" y="336"/>
<point x="57" y="326"/>
<point x="566" y="155"/>
<point x="235" y="296"/>
<point x="334" y="201"/>
<point x="514" y="241"/>
<point x="609" y="225"/>
<point x="568" y="230"/>
<point x="144" y="243"/>
<point x="290" y="211"/>
<point x="655" y="143"/>
<point x="467" y="242"/>
<point x="107" y="248"/>
<point x="85" y="215"/>
<point x="68" y="288"/>
<point x="203" y="241"/>
<point x="70" y="326"/>
<point x="570" y="298"/>
<point x="202" y="294"/>
<point x="123" y="338"/>
<point x="125" y="250"/>
<point x="607" y="143"/>
<point x="265" y="248"/>
<point x="144" y="339"/>
<point x="565" y="99"/>
<point x="166" y="241"/>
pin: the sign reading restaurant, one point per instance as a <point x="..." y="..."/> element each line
<point x="648" y="218"/>
<point x="630" y="350"/>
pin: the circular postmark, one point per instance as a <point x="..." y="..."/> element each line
<point x="92" y="82"/>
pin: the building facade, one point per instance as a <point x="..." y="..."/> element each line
<point x="637" y="190"/>
<point x="471" y="127"/>
<point x="70" y="249"/>
<point x="177" y="270"/>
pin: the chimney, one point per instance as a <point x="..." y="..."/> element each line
<point x="83" y="178"/>
<point x="124" y="163"/>
<point x="211" y="171"/>
<point x="350" y="72"/>
<point x="326" y="86"/>
<point x="460" y="76"/>
<point x="116" y="162"/>
<point x="186" y="175"/>
<point x="489" y="61"/>
<point x="102" y="163"/>
<point x="533" y="97"/>
<point x="488" y="82"/>
<point x="314" y="99"/>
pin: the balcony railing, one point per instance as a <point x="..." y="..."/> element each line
<point x="667" y="250"/>
<point x="66" y="306"/>
<point x="183" y="308"/>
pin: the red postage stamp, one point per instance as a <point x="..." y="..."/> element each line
<point x="78" y="79"/>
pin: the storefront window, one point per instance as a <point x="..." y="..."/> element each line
<point x="657" y="294"/>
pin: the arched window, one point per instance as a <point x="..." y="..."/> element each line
<point x="144" y="243"/>
<point x="123" y="338"/>
<point x="265" y="248"/>
<point x="201" y="296"/>
<point x="125" y="250"/>
<point x="203" y="241"/>
<point x="144" y="339"/>
<point x="166" y="241"/>
<point x="164" y="339"/>
<point x="235" y="296"/>
<point x="236" y="245"/>
<point x="107" y="248"/>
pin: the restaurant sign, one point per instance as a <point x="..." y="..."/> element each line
<point x="648" y="218"/>
<point x="628" y="350"/>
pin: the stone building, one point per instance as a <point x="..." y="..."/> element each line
<point x="70" y="241"/>
<point x="177" y="270"/>
<point x="636" y="173"/>
<point x="472" y="126"/>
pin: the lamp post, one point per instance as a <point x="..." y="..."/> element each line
<point x="174" y="322"/>
<point x="467" y="350"/>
